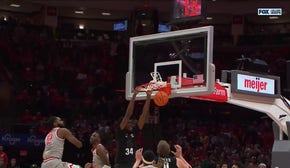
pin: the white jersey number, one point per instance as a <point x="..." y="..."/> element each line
<point x="48" y="140"/>
<point x="166" y="165"/>
<point x="129" y="151"/>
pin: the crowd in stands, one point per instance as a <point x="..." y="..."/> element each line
<point x="78" y="82"/>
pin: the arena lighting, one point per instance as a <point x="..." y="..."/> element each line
<point x="106" y="13"/>
<point x="79" y="12"/>
<point x="81" y="26"/>
<point x="15" y="5"/>
<point x="273" y="17"/>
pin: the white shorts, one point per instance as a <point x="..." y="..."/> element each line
<point x="57" y="163"/>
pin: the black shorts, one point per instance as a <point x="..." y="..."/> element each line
<point x="123" y="165"/>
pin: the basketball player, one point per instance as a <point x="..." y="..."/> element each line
<point x="54" y="144"/>
<point x="100" y="153"/>
<point x="127" y="133"/>
<point x="144" y="160"/>
<point x="151" y="133"/>
<point x="176" y="161"/>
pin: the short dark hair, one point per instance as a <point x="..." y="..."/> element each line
<point x="148" y="156"/>
<point x="50" y="122"/>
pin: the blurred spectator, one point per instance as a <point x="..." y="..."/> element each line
<point x="3" y="158"/>
<point x="224" y="165"/>
<point x="13" y="163"/>
<point x="38" y="117"/>
<point x="235" y="166"/>
<point x="27" y="117"/>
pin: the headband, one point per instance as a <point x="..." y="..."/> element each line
<point x="147" y="162"/>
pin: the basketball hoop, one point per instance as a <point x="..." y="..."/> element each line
<point x="156" y="84"/>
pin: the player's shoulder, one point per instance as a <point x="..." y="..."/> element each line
<point x="59" y="129"/>
<point x="100" y="146"/>
<point x="62" y="132"/>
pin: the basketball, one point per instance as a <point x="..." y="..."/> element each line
<point x="161" y="98"/>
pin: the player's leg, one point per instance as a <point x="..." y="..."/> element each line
<point x="53" y="163"/>
<point x="88" y="165"/>
<point x="67" y="165"/>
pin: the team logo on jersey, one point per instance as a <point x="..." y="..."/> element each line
<point x="131" y="135"/>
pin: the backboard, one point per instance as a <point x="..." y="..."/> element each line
<point x="183" y="58"/>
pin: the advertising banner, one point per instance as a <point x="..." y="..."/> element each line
<point x="21" y="140"/>
<point x="219" y="95"/>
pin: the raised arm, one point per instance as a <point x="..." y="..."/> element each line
<point x="138" y="158"/>
<point x="145" y="110"/>
<point x="181" y="162"/>
<point x="129" y="110"/>
<point x="65" y="133"/>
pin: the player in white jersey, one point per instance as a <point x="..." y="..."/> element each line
<point x="146" y="159"/>
<point x="54" y="144"/>
<point x="100" y="153"/>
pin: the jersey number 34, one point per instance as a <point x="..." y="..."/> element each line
<point x="129" y="151"/>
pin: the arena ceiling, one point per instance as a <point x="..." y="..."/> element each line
<point x="221" y="11"/>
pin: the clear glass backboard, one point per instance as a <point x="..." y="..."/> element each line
<point x="183" y="58"/>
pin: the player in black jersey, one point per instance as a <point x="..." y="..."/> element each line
<point x="169" y="161"/>
<point x="126" y="135"/>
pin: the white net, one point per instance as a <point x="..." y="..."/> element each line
<point x="156" y="83"/>
<point x="156" y="77"/>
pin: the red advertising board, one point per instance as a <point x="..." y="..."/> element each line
<point x="219" y="95"/>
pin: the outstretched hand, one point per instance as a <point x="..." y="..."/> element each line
<point x="138" y="89"/>
<point x="178" y="152"/>
<point x="149" y="92"/>
<point x="138" y="154"/>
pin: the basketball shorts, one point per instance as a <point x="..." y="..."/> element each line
<point x="57" y="163"/>
<point x="123" y="165"/>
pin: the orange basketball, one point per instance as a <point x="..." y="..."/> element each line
<point x="161" y="98"/>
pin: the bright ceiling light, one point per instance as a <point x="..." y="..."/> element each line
<point x="273" y="17"/>
<point x="79" y="12"/>
<point x="106" y="13"/>
<point x="15" y="5"/>
<point x="81" y="26"/>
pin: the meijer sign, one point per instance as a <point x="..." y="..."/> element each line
<point x="255" y="84"/>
